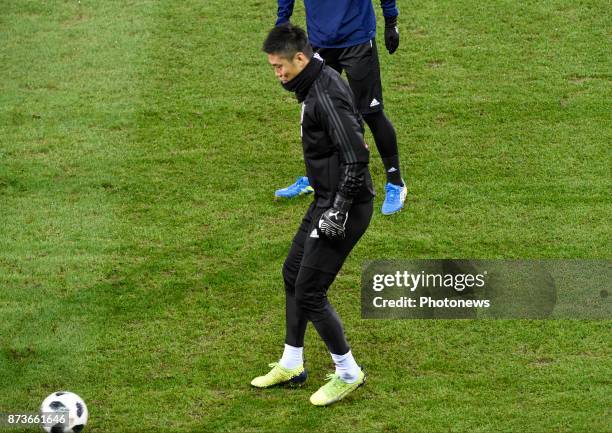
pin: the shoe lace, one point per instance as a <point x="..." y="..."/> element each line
<point x="276" y="369"/>
<point x="392" y="192"/>
<point x="334" y="380"/>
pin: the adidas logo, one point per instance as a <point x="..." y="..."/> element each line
<point x="374" y="103"/>
<point x="392" y="170"/>
<point x="314" y="234"/>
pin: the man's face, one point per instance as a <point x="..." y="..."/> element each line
<point x="287" y="69"/>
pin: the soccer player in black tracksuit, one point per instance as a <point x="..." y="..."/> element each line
<point x="336" y="158"/>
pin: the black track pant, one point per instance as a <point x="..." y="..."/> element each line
<point x="310" y="268"/>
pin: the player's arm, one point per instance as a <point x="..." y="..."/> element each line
<point x="389" y="8"/>
<point x="284" y="12"/>
<point x="390" y="12"/>
<point x="346" y="131"/>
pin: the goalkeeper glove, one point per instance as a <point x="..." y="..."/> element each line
<point x="391" y="34"/>
<point x="333" y="221"/>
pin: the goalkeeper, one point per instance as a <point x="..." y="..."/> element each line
<point x="336" y="159"/>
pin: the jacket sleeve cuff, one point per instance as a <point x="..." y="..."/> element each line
<point x="281" y="21"/>
<point x="391" y="21"/>
<point x="342" y="204"/>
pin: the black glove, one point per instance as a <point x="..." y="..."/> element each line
<point x="391" y="34"/>
<point x="333" y="221"/>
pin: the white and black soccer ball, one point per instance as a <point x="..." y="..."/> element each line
<point x="71" y="406"/>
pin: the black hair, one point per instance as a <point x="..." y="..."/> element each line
<point x="286" y="40"/>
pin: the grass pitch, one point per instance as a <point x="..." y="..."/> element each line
<point x="140" y="145"/>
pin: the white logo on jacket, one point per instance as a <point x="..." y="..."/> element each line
<point x="302" y="119"/>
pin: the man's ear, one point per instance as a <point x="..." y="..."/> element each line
<point x="301" y="58"/>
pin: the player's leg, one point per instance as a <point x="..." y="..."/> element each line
<point x="295" y="320"/>
<point x="290" y="368"/>
<point x="321" y="262"/>
<point x="311" y="296"/>
<point x="386" y="142"/>
<point x="363" y="73"/>
<point x="311" y="291"/>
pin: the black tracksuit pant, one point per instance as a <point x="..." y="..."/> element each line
<point x="310" y="268"/>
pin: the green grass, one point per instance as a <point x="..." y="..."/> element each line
<point x="140" y="249"/>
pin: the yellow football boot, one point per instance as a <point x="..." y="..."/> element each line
<point x="336" y="389"/>
<point x="279" y="376"/>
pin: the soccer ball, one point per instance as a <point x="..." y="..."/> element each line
<point x="68" y="404"/>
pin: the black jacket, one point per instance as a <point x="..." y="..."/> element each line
<point x="335" y="152"/>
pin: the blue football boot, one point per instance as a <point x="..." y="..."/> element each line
<point x="300" y="187"/>
<point x="395" y="196"/>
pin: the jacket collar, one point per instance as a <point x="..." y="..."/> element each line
<point x="301" y="83"/>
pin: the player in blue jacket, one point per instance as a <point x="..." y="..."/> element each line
<point x="343" y="32"/>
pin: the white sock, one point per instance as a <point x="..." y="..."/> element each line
<point x="292" y="358"/>
<point x="346" y="367"/>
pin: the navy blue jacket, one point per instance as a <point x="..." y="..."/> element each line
<point x="338" y="23"/>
